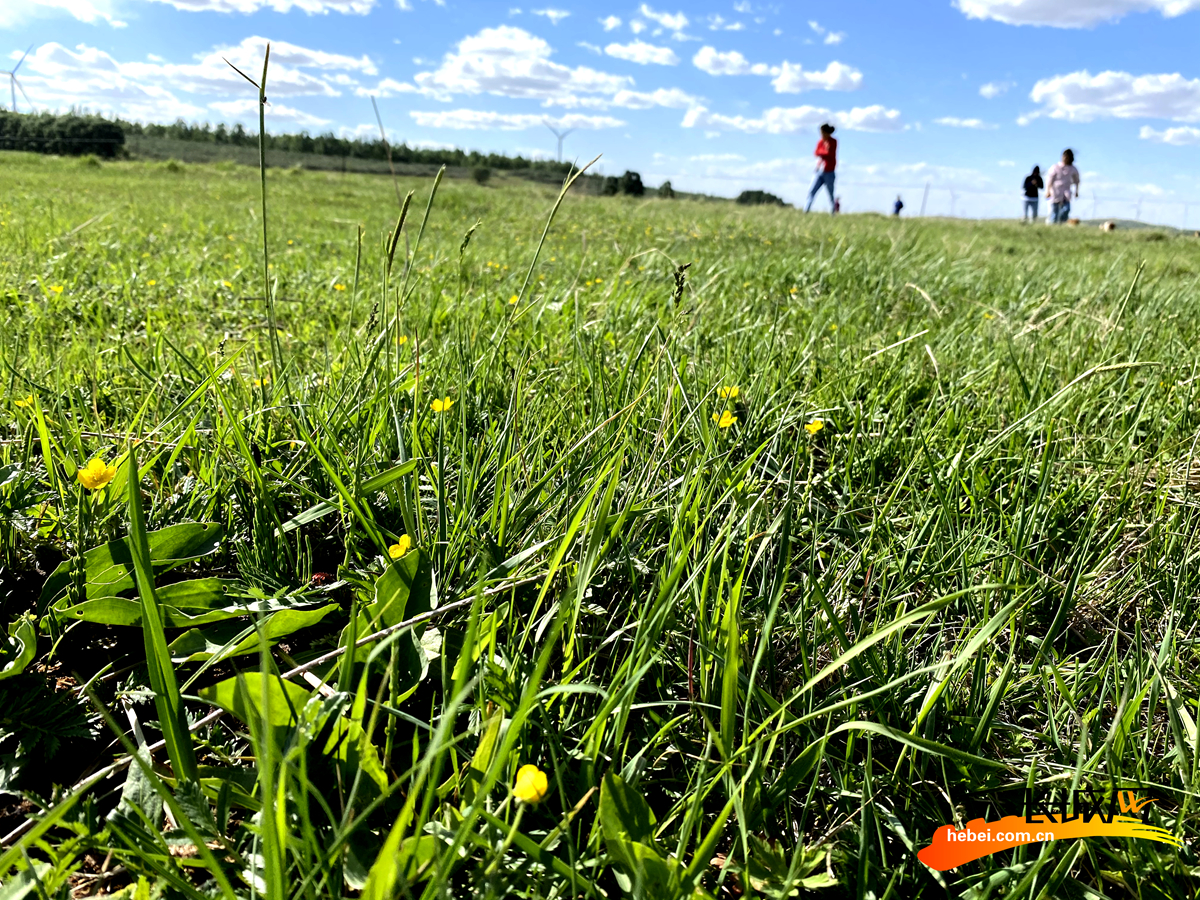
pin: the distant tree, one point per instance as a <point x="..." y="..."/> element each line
<point x="481" y="174"/>
<point x="758" y="198"/>
<point x="612" y="186"/>
<point x="631" y="184"/>
<point x="665" y="191"/>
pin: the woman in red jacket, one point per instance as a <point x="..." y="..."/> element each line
<point x="826" y="152"/>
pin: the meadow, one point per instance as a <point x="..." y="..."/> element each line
<point x="773" y="542"/>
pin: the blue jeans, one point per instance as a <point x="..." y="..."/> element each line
<point x="1031" y="205"/>
<point x="1059" y="212"/>
<point x="823" y="179"/>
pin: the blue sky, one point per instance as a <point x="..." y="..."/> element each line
<point x="961" y="95"/>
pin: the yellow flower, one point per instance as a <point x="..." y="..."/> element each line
<point x="814" y="426"/>
<point x="531" y="785"/>
<point x="339" y="287"/>
<point x="401" y="340"/>
<point x="512" y="301"/>
<point x="145" y="256"/>
<point x="440" y="406"/>
<point x="152" y="282"/>
<point x="96" y="474"/>
<point x="262" y="382"/>
<point x="26" y="403"/>
<point x="290" y="243"/>
<point x="724" y="419"/>
<point x="57" y="288"/>
<point x="401" y="547"/>
<point x="227" y="284"/>
<point x="729" y="393"/>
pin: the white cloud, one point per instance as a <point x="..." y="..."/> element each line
<point x="788" y="78"/>
<point x="994" y="89"/>
<point x="1183" y="136"/>
<point x="792" y="79"/>
<point x="779" y="120"/>
<point x="835" y="37"/>
<point x="150" y="90"/>
<point x="388" y="87"/>
<point x="16" y="12"/>
<point x="643" y="53"/>
<point x="674" y="22"/>
<point x="672" y="98"/>
<point x="719" y="23"/>
<point x="554" y="15"/>
<point x="955" y="122"/>
<point x="357" y="7"/>
<point x="511" y="62"/>
<point x="1082" y="97"/>
<point x="714" y="62"/>
<point x="482" y="119"/>
<point x="275" y="112"/>
<point x="591" y="48"/>
<point x="611" y="23"/>
<point x="1068" y="13"/>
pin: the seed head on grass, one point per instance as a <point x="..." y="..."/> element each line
<point x="96" y="474"/>
<point x="724" y="419"/>
<point x="531" y="785"/>
<point x="442" y="405"/>
<point x="401" y="547"/>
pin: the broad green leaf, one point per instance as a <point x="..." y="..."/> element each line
<point x="201" y="644"/>
<point x="625" y="819"/>
<point x="108" y="569"/>
<point x="18" y="648"/>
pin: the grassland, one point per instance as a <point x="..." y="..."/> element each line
<point x="936" y="548"/>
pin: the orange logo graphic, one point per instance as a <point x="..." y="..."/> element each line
<point x="953" y="847"/>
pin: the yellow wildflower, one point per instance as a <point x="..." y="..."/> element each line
<point x="96" y="474"/>
<point x="401" y="340"/>
<point x="531" y="785"/>
<point x="512" y="301"/>
<point x="152" y="282"/>
<point x="262" y="382"/>
<point x="401" y="547"/>
<point x="290" y="243"/>
<point x="26" y="403"/>
<point x="724" y="419"/>
<point x="57" y="288"/>
<point x="814" y="426"/>
<point x="729" y="393"/>
<point x="440" y="406"/>
<point x="227" y="284"/>
<point x="339" y="287"/>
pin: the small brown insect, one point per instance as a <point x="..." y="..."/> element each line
<point x="320" y="579"/>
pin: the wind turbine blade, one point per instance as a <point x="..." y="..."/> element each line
<point x="21" y="88"/>
<point x="18" y="65"/>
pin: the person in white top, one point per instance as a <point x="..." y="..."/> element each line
<point x="1061" y="177"/>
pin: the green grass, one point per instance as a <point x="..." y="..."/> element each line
<point x="750" y="659"/>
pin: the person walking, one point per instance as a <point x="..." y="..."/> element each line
<point x="1033" y="186"/>
<point x="897" y="206"/>
<point x="826" y="152"/>
<point x="1059" y="180"/>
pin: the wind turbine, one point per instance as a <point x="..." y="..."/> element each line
<point x="13" y="84"/>
<point x="561" y="135"/>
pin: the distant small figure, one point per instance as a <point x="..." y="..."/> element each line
<point x="897" y="206"/>
<point x="1033" y="185"/>
<point x="826" y="152"/>
<point x="1108" y="226"/>
<point x="1059" y="180"/>
<point x="837" y="205"/>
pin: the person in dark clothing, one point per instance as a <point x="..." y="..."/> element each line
<point x="897" y="206"/>
<point x="1033" y="186"/>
